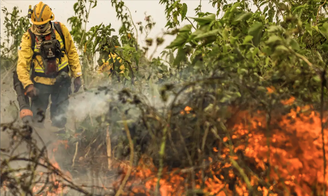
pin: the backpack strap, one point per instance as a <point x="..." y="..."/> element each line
<point x="32" y="36"/>
<point x="59" y="30"/>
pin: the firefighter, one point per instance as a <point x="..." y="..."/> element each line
<point x="47" y="62"/>
<point x="107" y="65"/>
<point x="108" y="59"/>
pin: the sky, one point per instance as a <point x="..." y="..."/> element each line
<point x="105" y="13"/>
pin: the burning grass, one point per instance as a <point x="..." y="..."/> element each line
<point x="246" y="153"/>
<point x="255" y="157"/>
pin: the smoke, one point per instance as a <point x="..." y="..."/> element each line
<point x="88" y="103"/>
<point x="91" y="103"/>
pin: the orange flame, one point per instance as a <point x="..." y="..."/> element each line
<point x="289" y="151"/>
<point x="58" y="188"/>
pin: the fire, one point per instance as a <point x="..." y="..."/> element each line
<point x="60" y="142"/>
<point x="295" y="151"/>
<point x="287" y="158"/>
<point x="170" y="185"/>
<point x="186" y="110"/>
<point x="283" y="157"/>
<point x="58" y="188"/>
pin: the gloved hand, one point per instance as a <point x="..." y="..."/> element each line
<point x="31" y="91"/>
<point x="77" y="84"/>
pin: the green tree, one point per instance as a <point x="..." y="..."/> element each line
<point x="15" y="26"/>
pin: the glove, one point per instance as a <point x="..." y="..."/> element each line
<point x="77" y="84"/>
<point x="31" y="91"/>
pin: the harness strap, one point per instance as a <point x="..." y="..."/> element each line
<point x="59" y="30"/>
<point x="57" y="27"/>
<point x="32" y="35"/>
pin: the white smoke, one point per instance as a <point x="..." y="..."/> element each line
<point x="88" y="103"/>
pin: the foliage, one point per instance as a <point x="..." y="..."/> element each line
<point x="78" y="32"/>
<point x="15" y="26"/>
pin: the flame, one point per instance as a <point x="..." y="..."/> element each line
<point x="58" y="188"/>
<point x="170" y="185"/>
<point x="288" y="153"/>
<point x="285" y="155"/>
<point x="186" y="110"/>
<point x="295" y="151"/>
<point x="60" y="142"/>
<point x="270" y="89"/>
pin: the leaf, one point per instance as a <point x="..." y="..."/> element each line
<point x="308" y="28"/>
<point x="235" y="6"/>
<point x="196" y="59"/>
<point x="205" y="20"/>
<point x="243" y="16"/>
<point x="266" y="9"/>
<point x="271" y="14"/>
<point x="325" y="26"/>
<point x="149" y="41"/>
<point x="184" y="11"/>
<point x="225" y="99"/>
<point x="208" y="34"/>
<point x="75" y="6"/>
<point x="209" y="40"/>
<point x="294" y="45"/>
<point x="267" y="61"/>
<point x="255" y="31"/>
<point x="225" y="34"/>
<point x="197" y="32"/>
<point x="319" y="56"/>
<point x="275" y="28"/>
<point x="185" y="28"/>
<point x="171" y="57"/>
<point x="273" y="39"/>
<point x="282" y="48"/>
<point x="242" y="71"/>
<point x="299" y="9"/>
<point x="180" y="56"/>
<point x="316" y="78"/>
<point x="255" y="52"/>
<point x="159" y="41"/>
<point x="179" y="40"/>
<point x="324" y="30"/>
<point x="212" y="25"/>
<point x="95" y="4"/>
<point x="247" y="39"/>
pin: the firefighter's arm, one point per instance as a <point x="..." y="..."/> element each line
<point x="25" y="54"/>
<point x="72" y="55"/>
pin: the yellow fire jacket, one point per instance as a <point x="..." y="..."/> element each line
<point x="108" y="64"/>
<point x="25" y="54"/>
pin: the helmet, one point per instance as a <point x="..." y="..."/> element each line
<point x="42" y="14"/>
